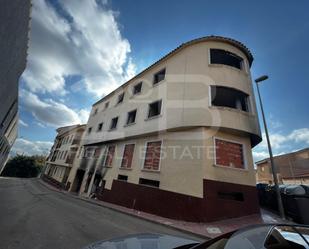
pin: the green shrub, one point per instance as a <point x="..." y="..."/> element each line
<point x="23" y="166"/>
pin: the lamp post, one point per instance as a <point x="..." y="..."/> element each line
<point x="273" y="168"/>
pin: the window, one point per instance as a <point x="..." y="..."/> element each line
<point x="95" y="111"/>
<point x="137" y="88"/>
<point x="131" y="117"/>
<point x="154" y="109"/>
<point x="88" y="152"/>
<point x="127" y="156"/>
<point x="148" y="182"/>
<point x="114" y="123"/>
<point x="110" y="156"/>
<point x="159" y="76"/>
<point x="106" y="105"/>
<point x="89" y="130"/>
<point x="97" y="152"/>
<point x="229" y="154"/>
<point x="100" y="126"/>
<point x="229" y="97"/>
<point x="120" y="98"/>
<point x="122" y="178"/>
<point x="236" y="196"/>
<point x="65" y="155"/>
<point x="152" y="155"/>
<point x="219" y="56"/>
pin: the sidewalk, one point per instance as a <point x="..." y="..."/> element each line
<point x="205" y="230"/>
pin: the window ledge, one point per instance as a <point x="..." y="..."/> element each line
<point x="232" y="109"/>
<point x="117" y="104"/>
<point x="159" y="83"/>
<point x="135" y="94"/>
<point x="230" y="67"/>
<point x="126" y="125"/>
<point x="151" y="170"/>
<point x="149" y="186"/>
<point x="107" y="167"/>
<point x="125" y="168"/>
<point x="228" y="167"/>
<point x="153" y="117"/>
<point x="113" y="129"/>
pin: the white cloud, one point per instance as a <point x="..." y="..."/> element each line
<point x="40" y="125"/>
<point x="50" y="112"/>
<point x="23" y="146"/>
<point x="277" y="140"/>
<point x="83" y="115"/>
<point x="259" y="155"/>
<point x="300" y="135"/>
<point x="90" y="45"/>
<point x="22" y="123"/>
<point x="273" y="123"/>
<point x="282" y="143"/>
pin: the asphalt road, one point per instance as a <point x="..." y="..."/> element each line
<point x="33" y="216"/>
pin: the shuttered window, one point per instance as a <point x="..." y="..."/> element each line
<point x="229" y="154"/>
<point x="152" y="156"/>
<point x="110" y="156"/>
<point x="127" y="156"/>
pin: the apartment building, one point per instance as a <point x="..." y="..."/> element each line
<point x="292" y="168"/>
<point x="59" y="169"/>
<point x="176" y="139"/>
<point x="14" y="19"/>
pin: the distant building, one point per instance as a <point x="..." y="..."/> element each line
<point x="176" y="139"/>
<point x="14" y="29"/>
<point x="293" y="168"/>
<point x="59" y="164"/>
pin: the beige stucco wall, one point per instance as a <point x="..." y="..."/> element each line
<point x="228" y="174"/>
<point x="187" y="158"/>
<point x="184" y="94"/>
<point x="177" y="168"/>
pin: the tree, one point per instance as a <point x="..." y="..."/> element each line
<point x="23" y="166"/>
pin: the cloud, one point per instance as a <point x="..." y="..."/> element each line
<point x="300" y="135"/>
<point x="277" y="140"/>
<point x="281" y="143"/>
<point x="259" y="155"/>
<point x="50" y="112"/>
<point x="23" y="146"/>
<point x="76" y="42"/>
<point x="40" y="125"/>
<point x="22" y="123"/>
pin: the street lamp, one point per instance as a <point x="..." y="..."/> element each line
<point x="273" y="168"/>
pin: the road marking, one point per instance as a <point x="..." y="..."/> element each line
<point x="213" y="230"/>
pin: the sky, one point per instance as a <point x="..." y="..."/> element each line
<point x="79" y="51"/>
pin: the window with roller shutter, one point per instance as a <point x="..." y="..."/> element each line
<point x="127" y="156"/>
<point x="110" y="156"/>
<point x="229" y="154"/>
<point x="152" y="155"/>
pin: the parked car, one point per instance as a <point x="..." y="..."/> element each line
<point x="269" y="236"/>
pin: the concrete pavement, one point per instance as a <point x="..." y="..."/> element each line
<point x="33" y="216"/>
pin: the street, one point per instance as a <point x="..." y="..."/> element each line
<point x="33" y="216"/>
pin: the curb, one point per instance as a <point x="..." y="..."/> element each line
<point x="97" y="203"/>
